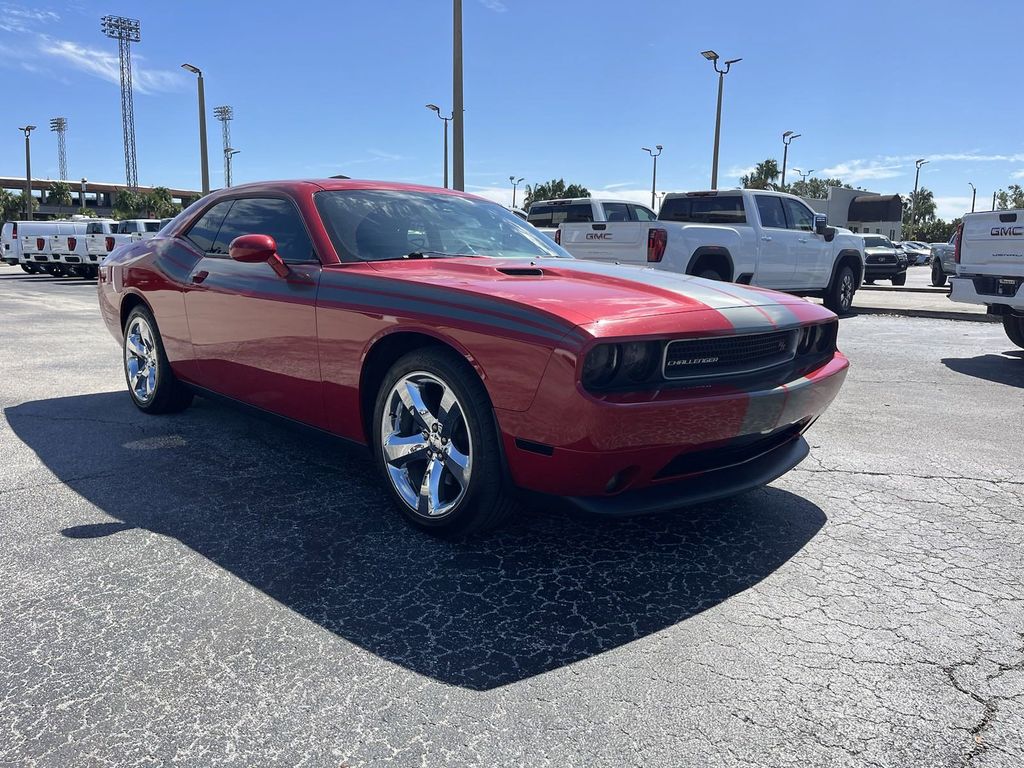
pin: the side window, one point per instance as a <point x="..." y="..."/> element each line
<point x="770" y="210"/>
<point x="267" y="216"/>
<point x="639" y="213"/>
<point x="799" y="215"/>
<point x="616" y="212"/>
<point x="203" y="233"/>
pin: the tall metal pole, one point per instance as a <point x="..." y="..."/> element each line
<point x="225" y="114"/>
<point x="787" y="139"/>
<point x="718" y="130"/>
<point x="459" y="161"/>
<point x="654" y="177"/>
<point x="974" y="194"/>
<point x="445" y="129"/>
<point x="81" y="194"/>
<point x="202" y="135"/>
<point x="913" y="205"/>
<point x="28" y="171"/>
<point x="993" y="201"/>
<point x="59" y="125"/>
<point x="515" y="185"/>
<point x="713" y="58"/>
<point x="126" y="31"/>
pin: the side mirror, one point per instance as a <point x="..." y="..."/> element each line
<point x="820" y="224"/>
<point x="256" y="249"/>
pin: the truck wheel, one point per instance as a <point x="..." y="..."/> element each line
<point x="436" y="445"/>
<point x="938" y="276"/>
<point x="900" y="279"/>
<point x="30" y="268"/>
<point x="1014" y="327"/>
<point x="839" y="297"/>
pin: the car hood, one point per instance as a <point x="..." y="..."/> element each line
<point x="606" y="295"/>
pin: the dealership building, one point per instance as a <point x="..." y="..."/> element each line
<point x="861" y="211"/>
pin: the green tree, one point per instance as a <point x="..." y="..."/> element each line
<point x="936" y="230"/>
<point x="763" y="176"/>
<point x="924" y="214"/>
<point x="158" y="203"/>
<point x="127" y="204"/>
<point x="553" y="190"/>
<point x="815" y="188"/>
<point x="10" y="206"/>
<point x="89" y="212"/>
<point x="20" y="204"/>
<point x="59" y="194"/>
<point x="1011" y="198"/>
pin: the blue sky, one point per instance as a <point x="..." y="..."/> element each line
<point x="554" y="88"/>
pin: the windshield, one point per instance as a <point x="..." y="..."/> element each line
<point x="377" y="225"/>
<point x="876" y="242"/>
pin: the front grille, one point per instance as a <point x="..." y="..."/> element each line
<point x="718" y="356"/>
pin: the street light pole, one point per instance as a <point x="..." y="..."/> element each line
<point x="459" y="161"/>
<point x="974" y="194"/>
<point x="713" y="58"/>
<point x="437" y="109"/>
<point x="229" y="153"/>
<point x="913" y="207"/>
<point x="515" y="183"/>
<point x="654" y="178"/>
<point x="81" y="195"/>
<point x="28" y="170"/>
<point x="803" y="174"/>
<point x="203" y="159"/>
<point x="787" y="139"/>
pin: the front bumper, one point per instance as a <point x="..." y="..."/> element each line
<point x="875" y="271"/>
<point x="611" y="455"/>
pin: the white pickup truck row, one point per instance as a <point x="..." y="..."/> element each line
<point x="70" y="247"/>
<point x="989" y="259"/>
<point x="768" y="239"/>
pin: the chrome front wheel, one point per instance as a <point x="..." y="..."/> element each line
<point x="141" y="359"/>
<point x="426" y="445"/>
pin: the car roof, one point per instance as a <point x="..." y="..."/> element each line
<point x="301" y="186"/>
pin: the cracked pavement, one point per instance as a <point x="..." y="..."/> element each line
<point x="215" y="589"/>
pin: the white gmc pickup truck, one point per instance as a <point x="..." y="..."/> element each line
<point x="751" y="236"/>
<point x="989" y="256"/>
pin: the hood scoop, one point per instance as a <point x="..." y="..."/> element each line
<point x="522" y="271"/>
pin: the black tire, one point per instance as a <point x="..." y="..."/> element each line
<point x="483" y="502"/>
<point x="938" y="276"/>
<point x="56" y="270"/>
<point x="900" y="279"/>
<point x="32" y="269"/>
<point x="869" y="281"/>
<point x="167" y="395"/>
<point x="1014" y="327"/>
<point x="709" y="273"/>
<point x="839" y="296"/>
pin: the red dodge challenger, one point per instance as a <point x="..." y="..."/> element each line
<point x="475" y="357"/>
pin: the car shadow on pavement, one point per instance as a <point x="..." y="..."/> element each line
<point x="1007" y="368"/>
<point x="305" y="520"/>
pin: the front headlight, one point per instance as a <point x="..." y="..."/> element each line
<point x="639" y="359"/>
<point x="601" y="365"/>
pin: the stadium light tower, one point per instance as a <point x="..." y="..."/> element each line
<point x="126" y="31"/>
<point x="225" y="114"/>
<point x="59" y="125"/>
<point x="229" y="153"/>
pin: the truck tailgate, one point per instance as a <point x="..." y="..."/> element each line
<point x="993" y="244"/>
<point x="607" y="241"/>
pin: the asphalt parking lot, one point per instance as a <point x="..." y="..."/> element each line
<point x="213" y="589"/>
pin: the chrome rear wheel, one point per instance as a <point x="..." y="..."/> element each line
<point x="141" y="359"/>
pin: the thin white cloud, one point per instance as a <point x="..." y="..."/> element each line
<point x="494" y="5"/>
<point x="952" y="207"/>
<point x="853" y="171"/>
<point x="106" y="65"/>
<point x="738" y="171"/>
<point x="15" y="18"/>
<point x="1017" y="174"/>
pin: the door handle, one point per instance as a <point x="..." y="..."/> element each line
<point x="766" y="238"/>
<point x="198" y="277"/>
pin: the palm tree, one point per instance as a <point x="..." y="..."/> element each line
<point x="763" y="176"/>
<point x="59" y="193"/>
